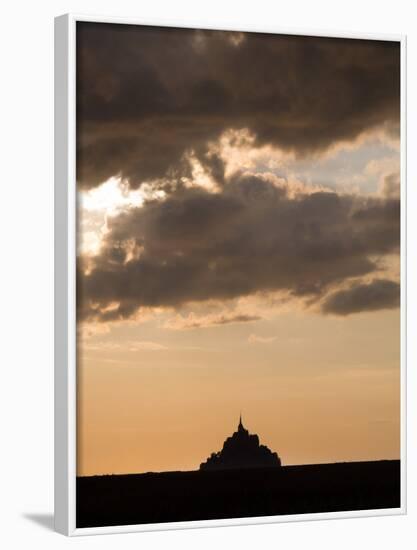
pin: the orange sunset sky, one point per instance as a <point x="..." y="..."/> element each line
<point x="238" y="246"/>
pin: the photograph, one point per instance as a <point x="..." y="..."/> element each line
<point x="238" y="274"/>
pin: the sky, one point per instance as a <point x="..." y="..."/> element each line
<point x="238" y="246"/>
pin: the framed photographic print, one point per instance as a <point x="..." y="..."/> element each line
<point x="229" y="275"/>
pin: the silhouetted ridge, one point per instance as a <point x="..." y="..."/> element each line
<point x="242" y="450"/>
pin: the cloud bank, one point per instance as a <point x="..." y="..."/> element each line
<point x="153" y="106"/>
<point x="252" y="237"/>
<point x="147" y="95"/>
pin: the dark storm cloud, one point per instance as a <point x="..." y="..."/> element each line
<point x="251" y="237"/>
<point x="379" y="294"/>
<point x="145" y="95"/>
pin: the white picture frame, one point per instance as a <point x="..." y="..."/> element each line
<point x="65" y="282"/>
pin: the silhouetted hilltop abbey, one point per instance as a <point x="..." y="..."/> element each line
<point x="242" y="450"/>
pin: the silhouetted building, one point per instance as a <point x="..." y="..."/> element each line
<point x="242" y="450"/>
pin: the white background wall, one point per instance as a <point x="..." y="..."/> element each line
<point x="26" y="269"/>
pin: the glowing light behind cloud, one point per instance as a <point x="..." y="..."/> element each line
<point x="108" y="200"/>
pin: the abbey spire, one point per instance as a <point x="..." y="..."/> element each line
<point x="240" y="427"/>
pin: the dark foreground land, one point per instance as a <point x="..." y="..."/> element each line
<point x="189" y="496"/>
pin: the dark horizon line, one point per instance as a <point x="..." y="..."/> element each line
<point x="151" y="472"/>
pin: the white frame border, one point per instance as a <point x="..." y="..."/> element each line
<point x="65" y="280"/>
